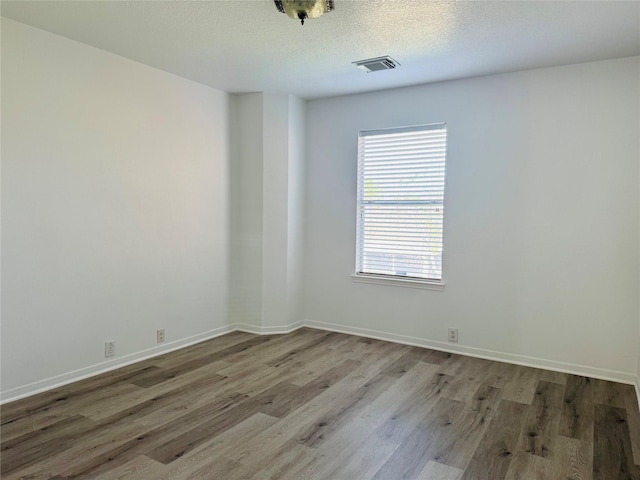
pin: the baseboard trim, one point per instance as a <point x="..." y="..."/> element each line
<point x="86" y="372"/>
<point x="279" y="329"/>
<point x="524" y="360"/>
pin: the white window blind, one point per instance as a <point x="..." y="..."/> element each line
<point x="401" y="179"/>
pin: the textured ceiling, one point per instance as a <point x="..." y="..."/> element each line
<point x="248" y="46"/>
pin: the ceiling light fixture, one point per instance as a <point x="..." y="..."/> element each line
<point x="303" y="9"/>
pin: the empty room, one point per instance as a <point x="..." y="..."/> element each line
<point x="320" y="240"/>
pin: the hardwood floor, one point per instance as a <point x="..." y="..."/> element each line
<point x="319" y="405"/>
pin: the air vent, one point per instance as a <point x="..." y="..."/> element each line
<point x="375" y="64"/>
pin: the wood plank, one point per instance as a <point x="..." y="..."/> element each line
<point x="468" y="429"/>
<point x="611" y="393"/>
<point x="413" y="454"/>
<point x="612" y="459"/>
<point x="346" y="440"/>
<point x="218" y="421"/>
<point x="364" y="462"/>
<point x="207" y="347"/>
<point x="144" y="401"/>
<point x="209" y="459"/>
<point x="435" y="357"/>
<point x="438" y="471"/>
<point x="554" y="377"/>
<point x="41" y="445"/>
<point x="303" y="423"/>
<point x="279" y="346"/>
<point x="410" y="412"/>
<point x="521" y="387"/>
<point x="253" y="379"/>
<point x="204" y="360"/>
<point x="401" y="365"/>
<point x="66" y="400"/>
<point x="170" y="406"/>
<point x="309" y="348"/>
<point x="310" y="390"/>
<point x="525" y="466"/>
<point x="576" y="420"/>
<point x="321" y="430"/>
<point x="379" y="349"/>
<point x="466" y="378"/>
<point x="492" y="459"/>
<point x="140" y="468"/>
<point x="85" y="449"/>
<point x="633" y="417"/>
<point x="501" y="373"/>
<point x="276" y="401"/>
<point x="575" y="461"/>
<point x="146" y="440"/>
<point x="152" y="376"/>
<point x="30" y="423"/>
<point x="49" y="402"/>
<point x="347" y="343"/>
<point x="543" y="421"/>
<point x="284" y="462"/>
<point x="310" y="366"/>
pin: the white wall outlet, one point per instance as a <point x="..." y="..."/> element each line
<point x="109" y="349"/>
<point x="453" y="334"/>
<point x="160" y="335"/>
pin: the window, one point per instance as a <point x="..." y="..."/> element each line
<point x="401" y="178"/>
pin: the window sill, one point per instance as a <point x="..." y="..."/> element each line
<point x="398" y="281"/>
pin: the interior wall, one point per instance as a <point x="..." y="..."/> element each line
<point x="114" y="209"/>
<point x="246" y="210"/>
<point x="283" y="213"/>
<point x="275" y="191"/>
<point x="541" y="217"/>
<point x="267" y="192"/>
<point x="295" y="208"/>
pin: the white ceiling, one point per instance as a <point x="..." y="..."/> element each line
<point x="248" y="46"/>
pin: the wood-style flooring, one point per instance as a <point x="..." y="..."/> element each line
<point x="319" y="405"/>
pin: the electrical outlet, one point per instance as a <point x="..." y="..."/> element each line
<point x="160" y="335"/>
<point x="109" y="349"/>
<point x="453" y="334"/>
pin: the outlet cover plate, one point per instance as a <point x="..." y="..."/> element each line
<point x="453" y="334"/>
<point x="109" y="349"/>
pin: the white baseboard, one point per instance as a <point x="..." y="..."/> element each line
<point x="583" y="370"/>
<point x="86" y="372"/>
<point x="244" y="327"/>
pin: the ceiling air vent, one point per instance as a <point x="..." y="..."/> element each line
<point x="375" y="64"/>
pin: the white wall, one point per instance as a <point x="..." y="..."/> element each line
<point x="114" y="208"/>
<point x="267" y="193"/>
<point x="275" y="169"/>
<point x="246" y="210"/>
<point x="541" y="220"/>
<point x="295" y="200"/>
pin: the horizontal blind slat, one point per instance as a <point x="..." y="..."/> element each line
<point x="401" y="186"/>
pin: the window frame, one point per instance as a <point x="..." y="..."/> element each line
<point x="388" y="279"/>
